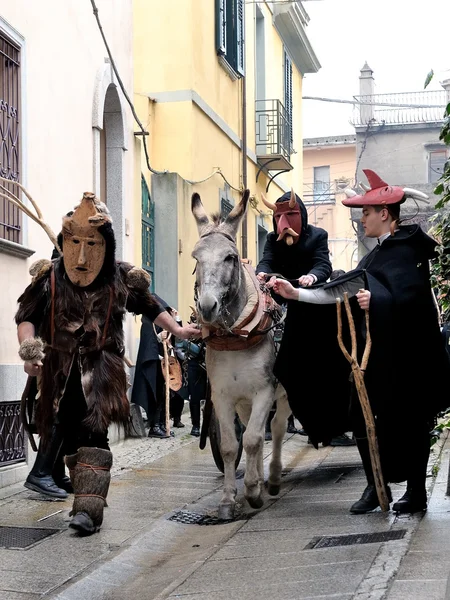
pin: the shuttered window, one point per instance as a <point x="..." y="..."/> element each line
<point x="10" y="96"/>
<point x="230" y="34"/>
<point x="288" y="102"/>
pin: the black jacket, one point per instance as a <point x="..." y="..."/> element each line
<point x="309" y="256"/>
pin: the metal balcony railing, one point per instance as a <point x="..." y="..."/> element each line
<point x="273" y="130"/>
<point x="400" y="109"/>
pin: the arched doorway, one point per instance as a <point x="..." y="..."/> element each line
<point x="109" y="147"/>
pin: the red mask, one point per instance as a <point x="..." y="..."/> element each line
<point x="289" y="222"/>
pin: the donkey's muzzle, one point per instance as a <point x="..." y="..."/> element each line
<point x="208" y="307"/>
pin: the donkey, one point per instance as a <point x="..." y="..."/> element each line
<point x="241" y="381"/>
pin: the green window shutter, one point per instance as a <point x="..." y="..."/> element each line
<point x="148" y="233"/>
<point x="239" y="27"/>
<point x="288" y="101"/>
<point x="221" y="27"/>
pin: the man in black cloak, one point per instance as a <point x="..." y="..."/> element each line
<point x="299" y="252"/>
<point x="409" y="369"/>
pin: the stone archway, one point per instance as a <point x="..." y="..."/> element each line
<point x="109" y="147"/>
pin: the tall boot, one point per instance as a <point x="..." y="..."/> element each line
<point x="59" y="474"/>
<point x="415" y="497"/>
<point x="369" y="499"/>
<point x="90" y="474"/>
<point x="40" y="478"/>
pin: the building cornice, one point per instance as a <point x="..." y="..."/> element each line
<point x="333" y="140"/>
<point x="289" y="20"/>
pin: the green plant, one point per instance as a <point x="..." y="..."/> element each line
<point x="440" y="268"/>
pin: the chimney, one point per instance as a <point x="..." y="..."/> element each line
<point x="366" y="91"/>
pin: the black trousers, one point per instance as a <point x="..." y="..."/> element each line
<point x="71" y="414"/>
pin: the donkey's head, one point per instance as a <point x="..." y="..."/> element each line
<point x="219" y="277"/>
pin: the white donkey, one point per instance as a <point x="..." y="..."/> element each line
<point x="241" y="380"/>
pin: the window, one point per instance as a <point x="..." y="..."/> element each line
<point x="148" y="233"/>
<point x="230" y="29"/>
<point x="436" y="163"/>
<point x="322" y="188"/>
<point x="10" y="215"/>
<point x="288" y="102"/>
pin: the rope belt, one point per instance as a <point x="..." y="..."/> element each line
<point x="92" y="467"/>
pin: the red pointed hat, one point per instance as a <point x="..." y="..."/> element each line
<point x="380" y="193"/>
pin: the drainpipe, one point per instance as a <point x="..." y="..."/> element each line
<point x="244" y="162"/>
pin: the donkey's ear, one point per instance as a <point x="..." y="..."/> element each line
<point x="198" y="210"/>
<point x="235" y="217"/>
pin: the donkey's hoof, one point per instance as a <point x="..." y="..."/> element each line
<point x="257" y="502"/>
<point x="273" y="489"/>
<point x="226" y="512"/>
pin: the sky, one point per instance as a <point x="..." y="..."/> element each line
<point x="400" y="40"/>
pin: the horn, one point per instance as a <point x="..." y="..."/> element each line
<point x="416" y="194"/>
<point x="350" y="193"/>
<point x="365" y="187"/>
<point x="270" y="205"/>
<point x="292" y="200"/>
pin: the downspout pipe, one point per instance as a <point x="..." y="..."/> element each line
<point x="244" y="163"/>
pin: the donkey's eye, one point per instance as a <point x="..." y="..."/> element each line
<point x="229" y="258"/>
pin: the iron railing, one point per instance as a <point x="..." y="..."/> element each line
<point x="273" y="129"/>
<point x="324" y="192"/>
<point x="10" y="215"/>
<point x="400" y="109"/>
<point x="12" y="438"/>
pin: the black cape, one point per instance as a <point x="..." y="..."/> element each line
<point x="408" y="370"/>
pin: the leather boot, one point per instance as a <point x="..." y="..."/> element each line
<point x="40" y="478"/>
<point x="413" y="500"/>
<point x="59" y="474"/>
<point x="415" y="497"/>
<point x="369" y="499"/>
<point x="291" y="428"/>
<point x="90" y="474"/>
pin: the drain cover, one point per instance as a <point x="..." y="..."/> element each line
<point x="328" y="541"/>
<point x="191" y="518"/>
<point x="23" y="537"/>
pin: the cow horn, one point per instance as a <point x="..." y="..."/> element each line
<point x="416" y="194"/>
<point x="365" y="187"/>
<point x="350" y="193"/>
<point x="270" y="205"/>
<point x="292" y="200"/>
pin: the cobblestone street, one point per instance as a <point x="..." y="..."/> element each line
<point x="139" y="553"/>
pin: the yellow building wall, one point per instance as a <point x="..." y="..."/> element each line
<point x="175" y="51"/>
<point x="334" y="218"/>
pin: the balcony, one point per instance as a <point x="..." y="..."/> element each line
<point x="400" y="109"/>
<point x="273" y="137"/>
<point x="324" y="192"/>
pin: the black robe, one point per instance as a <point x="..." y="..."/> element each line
<point x="408" y="370"/>
<point x="302" y="356"/>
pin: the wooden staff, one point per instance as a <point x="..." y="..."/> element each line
<point x="167" y="378"/>
<point x="358" y="377"/>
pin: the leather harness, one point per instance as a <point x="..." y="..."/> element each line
<point x="251" y="330"/>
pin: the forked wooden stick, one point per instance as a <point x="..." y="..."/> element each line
<point x="38" y="218"/>
<point x="358" y="376"/>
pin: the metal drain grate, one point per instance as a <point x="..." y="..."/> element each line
<point x="329" y="541"/>
<point x="23" y="537"/>
<point x="191" y="518"/>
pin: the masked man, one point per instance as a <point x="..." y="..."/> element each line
<point x="70" y="329"/>
<point x="408" y="370"/>
<point x="299" y="252"/>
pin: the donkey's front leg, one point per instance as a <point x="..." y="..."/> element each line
<point x="278" y="427"/>
<point x="229" y="446"/>
<point x="253" y="446"/>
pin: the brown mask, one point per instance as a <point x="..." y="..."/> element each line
<point x="84" y="247"/>
<point x="288" y="219"/>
